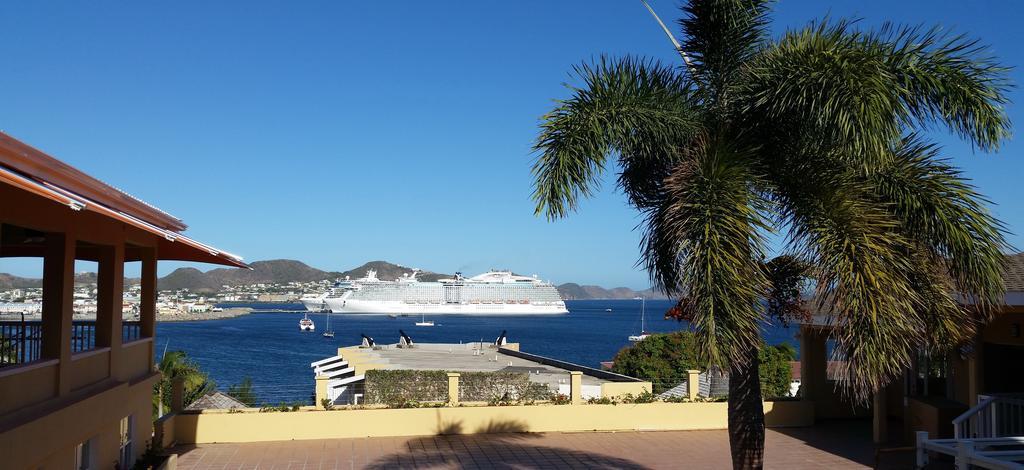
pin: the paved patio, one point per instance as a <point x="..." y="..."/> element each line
<point x="835" y="446"/>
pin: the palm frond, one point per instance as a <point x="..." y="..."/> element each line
<point x="640" y="108"/>
<point x="949" y="80"/>
<point x="721" y="36"/>
<point x="862" y="274"/>
<point x="946" y="216"/>
<point x="705" y="243"/>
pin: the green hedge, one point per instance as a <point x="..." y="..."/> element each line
<point x="400" y="387"/>
<point x="500" y="387"/>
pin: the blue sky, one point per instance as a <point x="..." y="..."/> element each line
<point x="341" y="132"/>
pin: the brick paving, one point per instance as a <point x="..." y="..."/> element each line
<point x="833" y="446"/>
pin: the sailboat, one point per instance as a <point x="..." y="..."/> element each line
<point x="424" y="322"/>
<point x="306" y="324"/>
<point x="643" y="333"/>
<point x="329" y="333"/>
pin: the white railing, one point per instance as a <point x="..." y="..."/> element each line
<point x="993" y="416"/>
<point x="1000" y="453"/>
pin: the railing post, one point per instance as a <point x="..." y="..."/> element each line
<point x="922" y="453"/>
<point x="453" y="388"/>
<point x="575" y="387"/>
<point x="693" y="384"/>
<point x="964" y="454"/>
<point x="992" y="418"/>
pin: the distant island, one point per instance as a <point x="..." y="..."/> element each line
<point x="285" y="271"/>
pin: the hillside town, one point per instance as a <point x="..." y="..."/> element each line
<point x="180" y="304"/>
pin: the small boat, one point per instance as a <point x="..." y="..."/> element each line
<point x="424" y="322"/>
<point x="392" y="315"/>
<point x="329" y="333"/>
<point x="643" y="333"/>
<point x="306" y="324"/>
<point x="607" y="309"/>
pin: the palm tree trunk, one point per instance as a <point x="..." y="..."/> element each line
<point x="746" y="413"/>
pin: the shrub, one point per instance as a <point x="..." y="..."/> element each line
<point x="661" y="358"/>
<point x="501" y="388"/>
<point x="664" y="359"/>
<point x="776" y="372"/>
<point x="396" y="388"/>
<point x="327" y="404"/>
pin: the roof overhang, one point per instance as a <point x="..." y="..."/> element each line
<point x="31" y="170"/>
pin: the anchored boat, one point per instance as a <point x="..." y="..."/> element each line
<point x="306" y="324"/>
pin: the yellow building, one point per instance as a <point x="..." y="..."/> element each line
<point x="77" y="394"/>
<point x="981" y="381"/>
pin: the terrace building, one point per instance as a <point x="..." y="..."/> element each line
<point x="78" y="394"/>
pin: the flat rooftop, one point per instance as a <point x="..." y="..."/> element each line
<point x="474" y="357"/>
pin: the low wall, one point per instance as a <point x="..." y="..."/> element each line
<point x="253" y="426"/>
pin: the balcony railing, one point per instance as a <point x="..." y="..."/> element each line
<point x="22" y="341"/>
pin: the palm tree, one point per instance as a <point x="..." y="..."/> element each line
<point x="176" y="364"/>
<point x="816" y="135"/>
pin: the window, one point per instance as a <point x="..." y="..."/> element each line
<point x="83" y="456"/>
<point x="126" y="455"/>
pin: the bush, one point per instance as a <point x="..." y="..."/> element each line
<point x="664" y="359"/>
<point x="776" y="372"/>
<point x="500" y="388"/>
<point x="396" y="388"/>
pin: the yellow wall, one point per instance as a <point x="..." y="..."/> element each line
<point x="618" y="389"/>
<point x="253" y="426"/>
<point x="47" y="438"/>
<point x="999" y="330"/>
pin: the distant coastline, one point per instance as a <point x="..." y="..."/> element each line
<point x="180" y="317"/>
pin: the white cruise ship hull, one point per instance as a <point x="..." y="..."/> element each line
<point x="314" y="304"/>
<point x="338" y="305"/>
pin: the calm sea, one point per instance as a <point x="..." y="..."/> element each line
<point x="269" y="348"/>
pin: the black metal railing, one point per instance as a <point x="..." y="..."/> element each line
<point x="22" y="341"/>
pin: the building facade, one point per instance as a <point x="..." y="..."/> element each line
<point x="77" y="394"/>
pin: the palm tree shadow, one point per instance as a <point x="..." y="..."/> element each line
<point x="498" y="445"/>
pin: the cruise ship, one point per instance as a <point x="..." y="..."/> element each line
<point x="490" y="293"/>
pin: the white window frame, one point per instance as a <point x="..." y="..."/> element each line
<point x="83" y="455"/>
<point x="126" y="454"/>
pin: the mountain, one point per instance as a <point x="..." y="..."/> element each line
<point x="8" y="281"/>
<point x="390" y="271"/>
<point x="282" y="271"/>
<point x="278" y="271"/>
<point x="573" y="291"/>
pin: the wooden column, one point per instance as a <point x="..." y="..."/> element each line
<point x="110" y="297"/>
<point x="880" y="421"/>
<point x="147" y="307"/>
<point x="58" y="297"/>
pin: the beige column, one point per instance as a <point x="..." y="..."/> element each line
<point x="693" y="384"/>
<point x="58" y="292"/>
<point x="813" y="362"/>
<point x="147" y="301"/>
<point x="177" y="395"/>
<point x="575" y="387"/>
<point x="880" y="419"/>
<point x="453" y="388"/>
<point x="110" y="295"/>
<point x="321" y="389"/>
<point x="147" y="307"/>
<point x="974" y="375"/>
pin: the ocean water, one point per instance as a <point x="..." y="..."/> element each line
<point x="269" y="348"/>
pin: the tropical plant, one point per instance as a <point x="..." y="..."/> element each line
<point x="816" y="135"/>
<point x="665" y="358"/>
<point x="177" y="364"/>
<point x="243" y="392"/>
